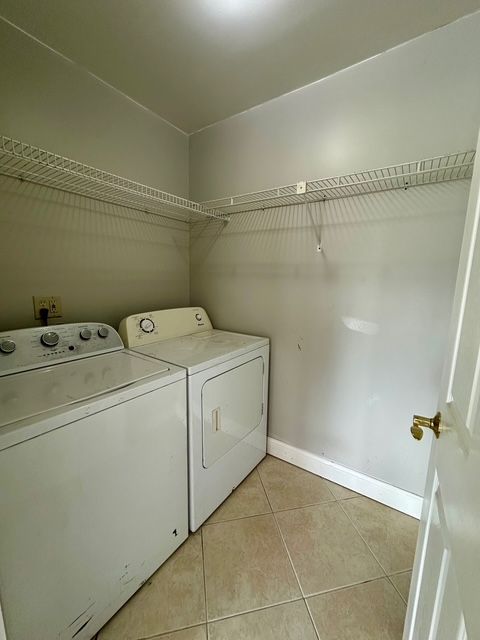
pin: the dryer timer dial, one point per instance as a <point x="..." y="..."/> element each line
<point x="147" y="325"/>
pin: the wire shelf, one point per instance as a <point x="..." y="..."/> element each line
<point x="30" y="163"/>
<point x="33" y="164"/>
<point x="454" y="166"/>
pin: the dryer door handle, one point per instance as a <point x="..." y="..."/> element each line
<point x="216" y="422"/>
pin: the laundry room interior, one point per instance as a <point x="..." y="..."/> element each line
<point x="238" y="248"/>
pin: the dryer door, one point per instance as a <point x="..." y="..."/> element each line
<point x="232" y="407"/>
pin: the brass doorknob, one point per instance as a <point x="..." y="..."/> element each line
<point x="421" y="422"/>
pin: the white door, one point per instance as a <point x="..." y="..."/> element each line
<point x="444" y="599"/>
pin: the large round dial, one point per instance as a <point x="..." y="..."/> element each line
<point x="85" y="334"/>
<point x="147" y="325"/>
<point x="50" y="339"/>
<point x="7" y="346"/>
<point x="103" y="332"/>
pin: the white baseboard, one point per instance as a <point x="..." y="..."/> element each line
<point x="394" y="497"/>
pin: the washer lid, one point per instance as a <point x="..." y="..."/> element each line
<point x="203" y="350"/>
<point x="29" y="394"/>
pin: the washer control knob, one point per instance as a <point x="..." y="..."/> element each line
<point x="103" y="332"/>
<point x="198" y="316"/>
<point x="147" y="325"/>
<point x="7" y="346"/>
<point x="85" y="334"/>
<point x="50" y="339"/>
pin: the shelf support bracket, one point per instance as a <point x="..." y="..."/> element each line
<point x="317" y="229"/>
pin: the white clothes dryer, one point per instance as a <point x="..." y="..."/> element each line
<point x="93" y="477"/>
<point x="227" y="387"/>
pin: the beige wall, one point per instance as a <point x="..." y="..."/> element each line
<point x="105" y="262"/>
<point x="357" y="332"/>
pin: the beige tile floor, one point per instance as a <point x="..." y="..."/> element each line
<point x="288" y="556"/>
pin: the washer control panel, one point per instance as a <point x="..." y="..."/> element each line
<point x="145" y="328"/>
<point x="24" y="349"/>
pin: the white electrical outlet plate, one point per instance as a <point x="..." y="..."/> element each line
<point x="52" y="303"/>
<point x="301" y="187"/>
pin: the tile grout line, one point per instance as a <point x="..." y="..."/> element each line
<point x="189" y="626"/>
<point x="267" y="513"/>
<point x="396" y="589"/>
<point x="239" y="614"/>
<point x="338" y="500"/>
<point x="350" y="585"/>
<point x="207" y="633"/>
<point x="290" y="560"/>
<point x="254" y="515"/>
<point x="399" y="573"/>
<point x="167" y="633"/>
<point x="366" y="543"/>
<point x="281" y="537"/>
<point x="269" y="606"/>
<point x="315" y="628"/>
<point x="387" y="574"/>
<point x="313" y="504"/>
<point x="316" y="475"/>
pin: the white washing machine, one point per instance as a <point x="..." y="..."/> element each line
<point x="227" y="385"/>
<point x="93" y="477"/>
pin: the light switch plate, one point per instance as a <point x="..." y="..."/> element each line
<point x="52" y="303"/>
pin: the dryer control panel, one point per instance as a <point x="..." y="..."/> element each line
<point x="25" y="349"/>
<point x="152" y="326"/>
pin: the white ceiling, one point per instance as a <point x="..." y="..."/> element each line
<point x="194" y="62"/>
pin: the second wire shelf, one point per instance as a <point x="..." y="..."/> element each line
<point x="453" y="166"/>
